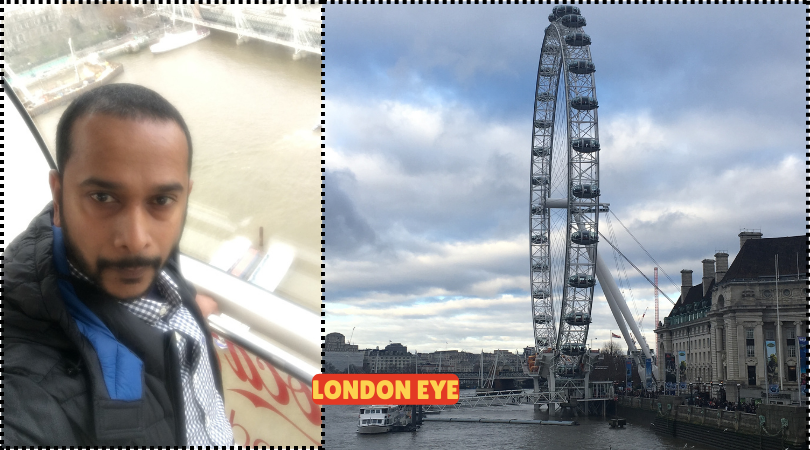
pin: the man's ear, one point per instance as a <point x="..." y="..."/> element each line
<point x="56" y="194"/>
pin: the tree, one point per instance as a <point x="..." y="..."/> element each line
<point x="612" y="348"/>
<point x="329" y="368"/>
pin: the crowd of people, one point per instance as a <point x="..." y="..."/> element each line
<point x="714" y="403"/>
<point x="700" y="400"/>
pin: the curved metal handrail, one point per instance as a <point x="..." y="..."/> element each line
<point x="12" y="95"/>
<point x="288" y="325"/>
<point x="279" y="358"/>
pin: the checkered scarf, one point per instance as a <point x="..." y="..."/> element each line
<point x="205" y="412"/>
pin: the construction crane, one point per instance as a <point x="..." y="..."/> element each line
<point x="642" y="318"/>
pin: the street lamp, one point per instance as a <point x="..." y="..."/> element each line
<point x="738" y="394"/>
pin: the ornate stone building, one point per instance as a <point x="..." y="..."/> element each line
<point x="725" y="323"/>
<point x="25" y="27"/>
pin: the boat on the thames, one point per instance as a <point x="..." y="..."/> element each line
<point x="172" y="41"/>
<point x="378" y="419"/>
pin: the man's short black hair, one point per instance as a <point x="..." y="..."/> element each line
<point x="122" y="100"/>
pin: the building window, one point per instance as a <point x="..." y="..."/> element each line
<point x="769" y="334"/>
<point x="749" y="342"/>
<point x="791" y="343"/>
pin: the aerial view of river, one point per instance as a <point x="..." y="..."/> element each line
<point x="251" y="110"/>
<point x="592" y="433"/>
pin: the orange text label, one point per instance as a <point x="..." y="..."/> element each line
<point x="389" y="389"/>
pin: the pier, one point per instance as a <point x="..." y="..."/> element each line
<point x="507" y="421"/>
<point x="552" y="400"/>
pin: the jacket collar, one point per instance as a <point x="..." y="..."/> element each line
<point x="120" y="367"/>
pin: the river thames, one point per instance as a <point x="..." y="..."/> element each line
<point x="592" y="433"/>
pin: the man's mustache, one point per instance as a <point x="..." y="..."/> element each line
<point x="133" y="262"/>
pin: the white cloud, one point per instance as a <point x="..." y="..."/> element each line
<point x="450" y="269"/>
<point x="445" y="189"/>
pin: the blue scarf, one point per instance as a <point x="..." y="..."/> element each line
<point x="120" y="367"/>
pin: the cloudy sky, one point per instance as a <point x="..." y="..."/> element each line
<point x="428" y="132"/>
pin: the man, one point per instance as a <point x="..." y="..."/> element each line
<point x="104" y="343"/>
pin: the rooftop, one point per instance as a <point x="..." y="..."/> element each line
<point x="756" y="258"/>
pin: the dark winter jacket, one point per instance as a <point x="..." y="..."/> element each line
<point x="54" y="391"/>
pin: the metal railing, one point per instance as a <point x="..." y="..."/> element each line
<point x="274" y="355"/>
<point x="288" y="335"/>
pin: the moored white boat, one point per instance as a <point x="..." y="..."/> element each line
<point x="375" y="419"/>
<point x="172" y="41"/>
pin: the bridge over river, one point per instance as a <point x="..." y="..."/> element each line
<point x="294" y="26"/>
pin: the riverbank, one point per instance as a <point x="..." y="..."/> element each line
<point x="463" y="428"/>
<point x="774" y="427"/>
<point x="65" y="94"/>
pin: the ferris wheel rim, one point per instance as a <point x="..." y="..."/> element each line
<point x="575" y="67"/>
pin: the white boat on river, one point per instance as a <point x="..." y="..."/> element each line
<point x="171" y="41"/>
<point x="378" y="419"/>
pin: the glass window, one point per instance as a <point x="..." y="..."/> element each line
<point x="769" y="334"/>
<point x="749" y="342"/>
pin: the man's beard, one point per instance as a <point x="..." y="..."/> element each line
<point x="77" y="259"/>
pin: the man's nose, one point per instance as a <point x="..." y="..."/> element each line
<point x="132" y="232"/>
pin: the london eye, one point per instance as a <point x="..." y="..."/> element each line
<point x="564" y="185"/>
<point x="565" y="206"/>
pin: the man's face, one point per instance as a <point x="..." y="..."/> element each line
<point x="122" y="200"/>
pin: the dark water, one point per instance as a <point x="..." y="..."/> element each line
<point x="593" y="433"/>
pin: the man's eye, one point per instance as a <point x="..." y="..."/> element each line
<point x="163" y="201"/>
<point x="101" y="197"/>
